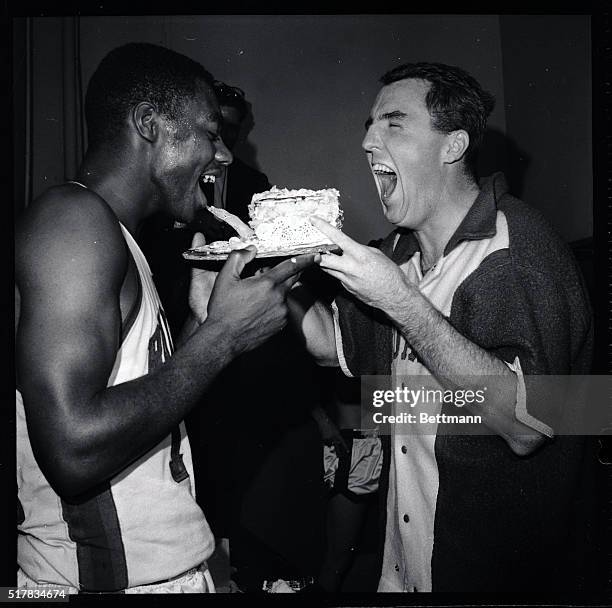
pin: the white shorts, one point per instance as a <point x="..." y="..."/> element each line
<point x="362" y="473"/>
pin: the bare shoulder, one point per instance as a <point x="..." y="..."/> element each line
<point x="67" y="228"/>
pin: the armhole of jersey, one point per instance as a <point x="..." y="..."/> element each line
<point x="131" y="316"/>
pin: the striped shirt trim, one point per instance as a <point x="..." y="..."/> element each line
<point x="94" y="526"/>
<point x="338" y="339"/>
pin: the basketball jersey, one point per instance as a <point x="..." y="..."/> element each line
<point x="142" y="526"/>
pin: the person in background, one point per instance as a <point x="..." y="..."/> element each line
<point x="352" y="459"/>
<point x="471" y="288"/>
<point x="272" y="476"/>
<point x="235" y="186"/>
<point x="104" y="471"/>
<point x="214" y="429"/>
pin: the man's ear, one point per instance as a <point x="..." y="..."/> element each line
<point x="456" y="147"/>
<point x="145" y="120"/>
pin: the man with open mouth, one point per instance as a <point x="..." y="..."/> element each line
<point x="472" y="288"/>
<point x="104" y="469"/>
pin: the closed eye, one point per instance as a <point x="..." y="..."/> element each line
<point x="395" y="118"/>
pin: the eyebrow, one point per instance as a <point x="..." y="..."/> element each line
<point x="213" y="117"/>
<point x="394" y="114"/>
<point x="213" y="121"/>
<point x="386" y="116"/>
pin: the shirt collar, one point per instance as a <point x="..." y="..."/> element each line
<point x="478" y="223"/>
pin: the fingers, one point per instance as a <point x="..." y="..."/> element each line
<point x="235" y="264"/>
<point x="291" y="281"/>
<point x="345" y="242"/>
<point x="330" y="261"/>
<point x="336" y="275"/>
<point x="289" y="268"/>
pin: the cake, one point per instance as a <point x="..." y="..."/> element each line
<point x="280" y="217"/>
<point x="279" y="220"/>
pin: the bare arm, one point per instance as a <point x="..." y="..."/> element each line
<point x="83" y="432"/>
<point x="314" y="322"/>
<point x="201" y="286"/>
<point x="450" y="357"/>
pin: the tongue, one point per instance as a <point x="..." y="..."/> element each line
<point x="387" y="184"/>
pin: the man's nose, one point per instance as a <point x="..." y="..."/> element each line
<point x="371" y="139"/>
<point x="222" y="154"/>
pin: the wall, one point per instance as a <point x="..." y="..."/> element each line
<point x="547" y="79"/>
<point x="48" y="104"/>
<point x="20" y="133"/>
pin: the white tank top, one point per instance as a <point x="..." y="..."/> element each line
<point x="144" y="525"/>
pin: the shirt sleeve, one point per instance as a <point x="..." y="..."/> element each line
<point x="338" y="339"/>
<point x="363" y="337"/>
<point x="527" y="319"/>
<point x="520" y="407"/>
<point x="362" y="333"/>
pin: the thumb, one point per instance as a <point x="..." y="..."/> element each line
<point x="236" y="261"/>
<point x="198" y="240"/>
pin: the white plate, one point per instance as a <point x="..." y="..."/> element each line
<point x="205" y="253"/>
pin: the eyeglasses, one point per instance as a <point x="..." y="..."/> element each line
<point x="227" y="91"/>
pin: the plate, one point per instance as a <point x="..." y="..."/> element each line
<point x="204" y="254"/>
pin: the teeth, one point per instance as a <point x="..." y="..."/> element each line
<point x="386" y="179"/>
<point x="210" y="179"/>
<point x="378" y="168"/>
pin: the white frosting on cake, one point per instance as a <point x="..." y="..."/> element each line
<point x="280" y="217"/>
<point x="280" y="220"/>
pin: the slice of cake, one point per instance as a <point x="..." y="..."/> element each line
<point x="279" y="221"/>
<point x="280" y="217"/>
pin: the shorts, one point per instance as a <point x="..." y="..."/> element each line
<point x="196" y="580"/>
<point x="356" y="476"/>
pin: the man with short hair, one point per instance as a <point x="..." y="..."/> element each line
<point x="104" y="469"/>
<point x="472" y="283"/>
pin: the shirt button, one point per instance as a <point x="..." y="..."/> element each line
<point x="404" y="449"/>
<point x="406" y="518"/>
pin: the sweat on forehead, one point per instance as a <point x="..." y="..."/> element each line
<point x="201" y="109"/>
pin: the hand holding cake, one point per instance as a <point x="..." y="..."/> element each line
<point x="364" y="271"/>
